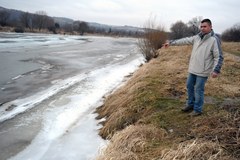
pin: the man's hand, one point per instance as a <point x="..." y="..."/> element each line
<point x="214" y="75"/>
<point x="165" y="45"/>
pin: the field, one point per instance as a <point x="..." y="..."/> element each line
<point x="144" y="121"/>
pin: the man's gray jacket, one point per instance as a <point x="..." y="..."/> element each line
<point x="206" y="54"/>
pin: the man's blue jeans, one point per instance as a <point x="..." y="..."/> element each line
<point x="195" y="90"/>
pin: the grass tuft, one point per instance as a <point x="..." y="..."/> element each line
<point x="131" y="141"/>
<point x="196" y="149"/>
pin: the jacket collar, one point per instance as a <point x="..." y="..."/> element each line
<point x="206" y="36"/>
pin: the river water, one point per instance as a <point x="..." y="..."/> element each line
<point x="50" y="86"/>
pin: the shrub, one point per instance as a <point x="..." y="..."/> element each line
<point x="19" y="30"/>
<point x="151" y="40"/>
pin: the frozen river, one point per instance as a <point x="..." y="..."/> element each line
<point x="50" y="86"/>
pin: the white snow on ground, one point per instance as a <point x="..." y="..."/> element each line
<point x="70" y="130"/>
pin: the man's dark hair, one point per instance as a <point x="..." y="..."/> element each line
<point x="207" y="21"/>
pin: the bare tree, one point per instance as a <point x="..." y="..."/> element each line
<point x="49" y="22"/>
<point x="57" y="25"/>
<point x="4" y="16"/>
<point x="179" y="30"/>
<point x="80" y="26"/>
<point x="50" y="25"/>
<point x="152" y="39"/>
<point x="83" y="27"/>
<point x="194" y="24"/>
<point x="26" y="20"/>
<point x="68" y="27"/>
<point x="75" y="25"/>
<point x="40" y="20"/>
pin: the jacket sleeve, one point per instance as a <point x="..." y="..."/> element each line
<point x="218" y="56"/>
<point x="182" y="41"/>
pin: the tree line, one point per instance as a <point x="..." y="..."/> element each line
<point x="232" y="34"/>
<point x="181" y="29"/>
<point x="37" y="21"/>
<point x="155" y="35"/>
<point x="40" y="21"/>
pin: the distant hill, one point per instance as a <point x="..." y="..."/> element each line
<point x="115" y="28"/>
<point x="15" y="16"/>
<point x="63" y="20"/>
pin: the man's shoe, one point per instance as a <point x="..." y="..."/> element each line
<point x="195" y="114"/>
<point x="187" y="109"/>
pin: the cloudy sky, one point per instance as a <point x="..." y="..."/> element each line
<point x="223" y="13"/>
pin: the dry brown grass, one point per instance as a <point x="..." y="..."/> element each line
<point x="127" y="144"/>
<point x="232" y="47"/>
<point x="223" y="128"/>
<point x="6" y="29"/>
<point x="228" y="83"/>
<point x="196" y="149"/>
<point x="163" y="77"/>
<point x="153" y="97"/>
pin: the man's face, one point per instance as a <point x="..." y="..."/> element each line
<point x="205" y="28"/>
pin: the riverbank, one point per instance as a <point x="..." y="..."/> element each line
<point x="144" y="121"/>
<point x="58" y="32"/>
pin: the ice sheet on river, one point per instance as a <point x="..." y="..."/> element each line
<point x="66" y="108"/>
<point x="70" y="121"/>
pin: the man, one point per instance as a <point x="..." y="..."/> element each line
<point x="206" y="59"/>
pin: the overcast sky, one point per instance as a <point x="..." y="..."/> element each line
<point x="223" y="13"/>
